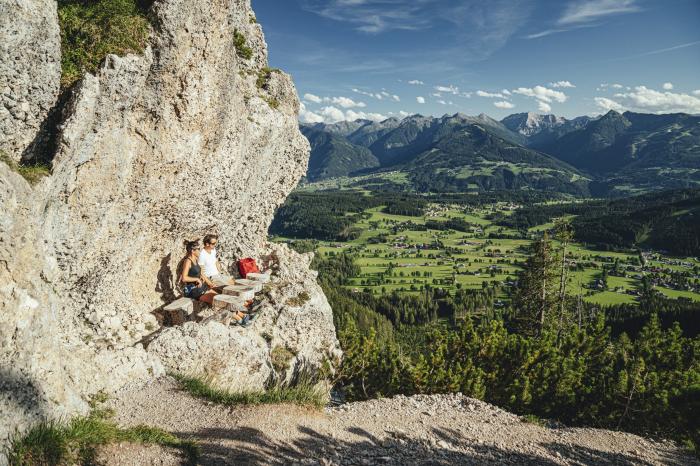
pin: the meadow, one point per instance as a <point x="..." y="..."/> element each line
<point x="405" y="254"/>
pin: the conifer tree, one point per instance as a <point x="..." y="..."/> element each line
<point x="535" y="298"/>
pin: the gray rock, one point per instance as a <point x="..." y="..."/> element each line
<point x="155" y="148"/>
<point x="30" y="70"/>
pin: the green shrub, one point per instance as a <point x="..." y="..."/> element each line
<point x="92" y="29"/>
<point x="242" y="48"/>
<point x="32" y="173"/>
<point x="77" y="442"/>
<point x="303" y="393"/>
<point x="299" y="300"/>
<point x="281" y="357"/>
<point x="264" y="76"/>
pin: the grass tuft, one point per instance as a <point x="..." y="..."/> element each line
<point x="532" y="419"/>
<point x="304" y="393"/>
<point x="92" y="30"/>
<point x="299" y="300"/>
<point x="242" y="49"/>
<point x="77" y="441"/>
<point x="32" y="173"/>
<point x="264" y="76"/>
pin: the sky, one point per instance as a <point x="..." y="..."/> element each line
<point x="380" y="58"/>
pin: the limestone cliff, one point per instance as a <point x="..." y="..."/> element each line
<point x="30" y="71"/>
<point x="188" y="138"/>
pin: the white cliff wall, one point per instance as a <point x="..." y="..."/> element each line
<point x="30" y="70"/>
<point x="171" y="144"/>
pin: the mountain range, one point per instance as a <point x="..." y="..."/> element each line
<point x="612" y="154"/>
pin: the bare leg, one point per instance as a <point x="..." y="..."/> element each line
<point x="208" y="297"/>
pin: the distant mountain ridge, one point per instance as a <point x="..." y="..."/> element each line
<point x="611" y="154"/>
<point x="541" y="129"/>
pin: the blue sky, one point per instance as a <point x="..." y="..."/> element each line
<point x="380" y="58"/>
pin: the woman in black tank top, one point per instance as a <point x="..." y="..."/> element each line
<point x="195" y="284"/>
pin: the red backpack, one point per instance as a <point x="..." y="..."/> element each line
<point x="246" y="266"/>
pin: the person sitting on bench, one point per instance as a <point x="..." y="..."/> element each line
<point x="211" y="266"/>
<point x="195" y="284"/>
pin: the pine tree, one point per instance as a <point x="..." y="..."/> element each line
<point x="535" y="298"/>
<point x="564" y="233"/>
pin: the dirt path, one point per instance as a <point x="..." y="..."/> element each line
<point x="435" y="430"/>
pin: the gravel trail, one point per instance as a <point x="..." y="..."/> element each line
<point x="423" y="430"/>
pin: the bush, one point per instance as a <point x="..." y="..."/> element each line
<point x="242" y="49"/>
<point x="32" y="173"/>
<point x="90" y="30"/>
<point x="304" y="393"/>
<point x="77" y="441"/>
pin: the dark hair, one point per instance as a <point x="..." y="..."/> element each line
<point x="207" y="239"/>
<point x="190" y="245"/>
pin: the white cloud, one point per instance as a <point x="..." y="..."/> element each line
<point x="403" y="114"/>
<point x="608" y="104"/>
<point x="505" y="92"/>
<point x="442" y="102"/>
<point x="584" y="11"/>
<point x="561" y="84"/>
<point x="396" y="98"/>
<point x="617" y="86"/>
<point x="542" y="93"/>
<point x="344" y="102"/>
<point x="503" y="104"/>
<point x="449" y="89"/>
<point x="331" y="114"/>
<point x="643" y="99"/>
<point x="420" y="100"/>
<point x="416" y="82"/>
<point x="313" y="98"/>
<point x="436" y="94"/>
<point x="668" y="86"/>
<point x="352" y="115"/>
<point x="496" y="95"/>
<point x="378" y="96"/>
<point x="306" y="116"/>
<point x="544" y="107"/>
<point x="697" y="92"/>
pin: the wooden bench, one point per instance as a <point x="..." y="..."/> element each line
<point x="260" y="277"/>
<point x="256" y="285"/>
<point x="178" y="312"/>
<point x="244" y="292"/>
<point x="228" y="302"/>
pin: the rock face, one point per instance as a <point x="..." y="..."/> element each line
<point x="30" y="70"/>
<point x="191" y="137"/>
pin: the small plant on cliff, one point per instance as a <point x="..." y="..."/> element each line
<point x="92" y="29"/>
<point x="280" y="357"/>
<point x="242" y="49"/>
<point x="77" y="442"/>
<point x="299" y="300"/>
<point x="264" y="76"/>
<point x="304" y="393"/>
<point x="32" y="173"/>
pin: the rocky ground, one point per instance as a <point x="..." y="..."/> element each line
<point x="435" y="430"/>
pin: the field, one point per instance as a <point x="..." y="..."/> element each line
<point x="398" y="253"/>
